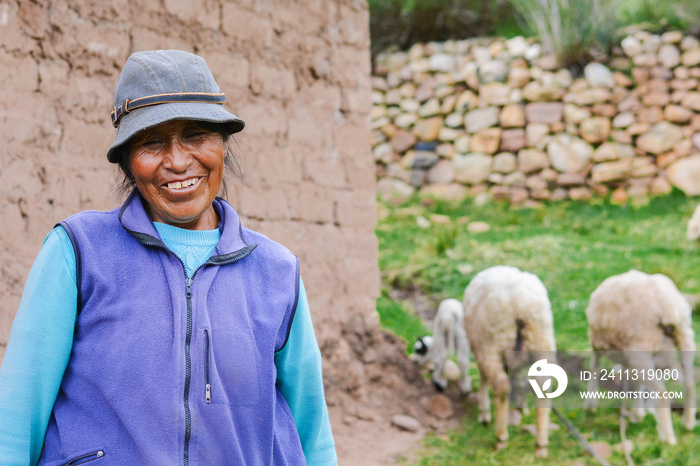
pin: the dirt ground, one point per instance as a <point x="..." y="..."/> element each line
<point x="364" y="433"/>
<point x="363" y="398"/>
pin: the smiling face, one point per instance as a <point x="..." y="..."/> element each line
<point x="178" y="167"/>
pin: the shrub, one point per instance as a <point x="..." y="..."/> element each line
<point x="571" y="29"/>
<point x="659" y="16"/>
<point x="405" y="22"/>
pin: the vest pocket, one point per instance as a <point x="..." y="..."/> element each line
<point x="231" y="369"/>
<point x="85" y="458"/>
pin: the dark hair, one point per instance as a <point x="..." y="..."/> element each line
<point x="126" y="183"/>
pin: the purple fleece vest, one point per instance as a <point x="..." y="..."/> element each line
<point x="167" y="370"/>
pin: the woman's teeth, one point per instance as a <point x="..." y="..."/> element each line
<point x="182" y="184"/>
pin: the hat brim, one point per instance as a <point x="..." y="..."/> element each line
<point x="148" y="117"/>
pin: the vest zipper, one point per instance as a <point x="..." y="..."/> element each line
<point x="207" y="382"/>
<point x="188" y="367"/>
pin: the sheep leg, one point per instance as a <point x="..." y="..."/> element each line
<point x="465" y="383"/>
<point x="662" y="407"/>
<point x="439" y="357"/>
<point x="544" y="406"/>
<point x="591" y="403"/>
<point x="662" y="412"/>
<point x="690" y="408"/>
<point x="685" y="340"/>
<point x="484" y="400"/>
<point x="638" y="406"/>
<point x="501" y="390"/>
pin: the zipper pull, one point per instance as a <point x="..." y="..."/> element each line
<point x="188" y="283"/>
<point x="208" y="394"/>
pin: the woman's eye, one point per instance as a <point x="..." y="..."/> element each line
<point x="153" y="143"/>
<point x="196" y="134"/>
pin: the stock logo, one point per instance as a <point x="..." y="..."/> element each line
<point x="543" y="369"/>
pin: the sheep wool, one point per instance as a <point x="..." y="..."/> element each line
<point x="506" y="309"/>
<point x="449" y="338"/>
<point x="637" y="313"/>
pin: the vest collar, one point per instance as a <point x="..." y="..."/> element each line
<point x="135" y="220"/>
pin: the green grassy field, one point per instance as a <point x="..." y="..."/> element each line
<point x="572" y="247"/>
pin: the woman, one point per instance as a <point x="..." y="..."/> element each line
<point x="163" y="332"/>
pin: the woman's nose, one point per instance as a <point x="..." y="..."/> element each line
<point x="178" y="157"/>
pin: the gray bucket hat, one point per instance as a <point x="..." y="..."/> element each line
<point x="165" y="85"/>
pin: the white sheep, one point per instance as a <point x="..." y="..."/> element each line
<point x="507" y="310"/>
<point x="693" y="231"/>
<point x="637" y="313"/>
<point x="448" y="339"/>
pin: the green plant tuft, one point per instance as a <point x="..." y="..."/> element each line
<point x="571" y="29"/>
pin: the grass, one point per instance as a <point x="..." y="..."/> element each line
<point x="572" y="247"/>
<point x="570" y="29"/>
<point x="659" y="16"/>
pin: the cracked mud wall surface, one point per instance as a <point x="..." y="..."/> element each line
<point x="297" y="72"/>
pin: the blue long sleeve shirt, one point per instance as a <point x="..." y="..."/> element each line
<point x="42" y="336"/>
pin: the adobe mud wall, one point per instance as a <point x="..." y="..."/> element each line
<point x="297" y="72"/>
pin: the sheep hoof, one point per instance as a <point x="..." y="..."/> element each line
<point x="541" y="452"/>
<point x="636" y="415"/>
<point x="501" y="444"/>
<point x="438" y="387"/>
<point x="484" y="418"/>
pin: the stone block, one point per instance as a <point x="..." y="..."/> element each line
<point x="661" y="138"/>
<point x="488" y="140"/>
<point x="650" y="115"/>
<point x="402" y="141"/>
<point x="691" y="101"/>
<point x="568" y="154"/>
<point x="669" y="56"/>
<point x="481" y="118"/>
<point x="442" y="172"/>
<point x="494" y="93"/>
<point x="512" y="116"/>
<point x="677" y="114"/>
<point x="505" y="162"/>
<point x="595" y="129"/>
<point x="612" y="151"/>
<point x="450" y="192"/>
<point x="685" y="174"/>
<point x="691" y="58"/>
<point x="512" y="140"/>
<point x="598" y="75"/>
<point x="428" y="130"/>
<point x="544" y="112"/>
<point x="472" y="168"/>
<point x="574" y="114"/>
<point x="538" y="92"/>
<point x="536" y="135"/>
<point x="611" y="171"/>
<point x="531" y="160"/>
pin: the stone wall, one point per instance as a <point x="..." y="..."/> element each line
<point x="498" y="116"/>
<point x="297" y="72"/>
